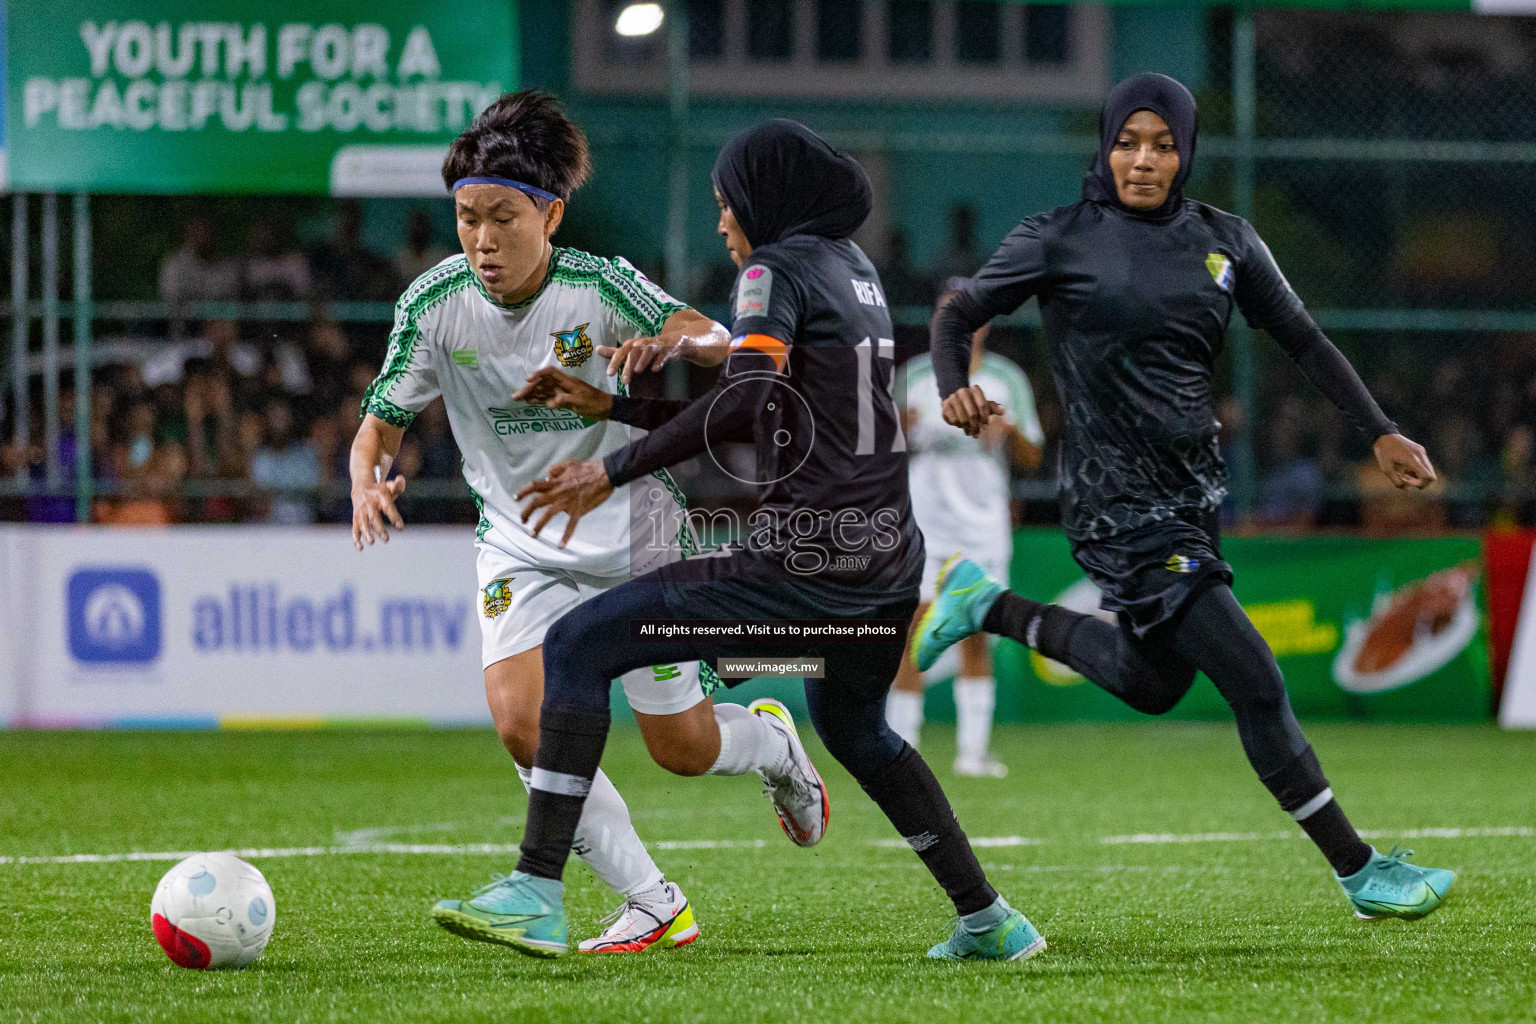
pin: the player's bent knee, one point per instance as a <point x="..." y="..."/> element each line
<point x="520" y="735"/>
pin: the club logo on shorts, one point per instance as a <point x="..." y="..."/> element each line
<point x="1181" y="563"/>
<point x="497" y="597"/>
<point x="573" y="347"/>
<point x="1220" y="267"/>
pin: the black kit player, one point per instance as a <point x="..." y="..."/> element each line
<point x="808" y="378"/>
<point x="1136" y="285"/>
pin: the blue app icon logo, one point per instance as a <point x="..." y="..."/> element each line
<point x="114" y="616"/>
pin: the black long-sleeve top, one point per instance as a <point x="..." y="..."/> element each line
<point x="1135" y="312"/>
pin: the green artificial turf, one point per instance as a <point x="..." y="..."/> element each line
<point x="1223" y="930"/>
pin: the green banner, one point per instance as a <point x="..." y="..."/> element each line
<point x="295" y="96"/>
<point x="1379" y="630"/>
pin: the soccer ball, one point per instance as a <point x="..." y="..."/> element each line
<point x="212" y="910"/>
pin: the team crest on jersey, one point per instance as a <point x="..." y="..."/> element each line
<point x="573" y="347"/>
<point x="1220" y="267"/>
<point x="1181" y="563"/>
<point x="497" y="597"/>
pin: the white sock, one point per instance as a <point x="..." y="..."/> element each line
<point x="606" y="841"/>
<point x="975" y="700"/>
<point x="904" y="714"/>
<point x="747" y="743"/>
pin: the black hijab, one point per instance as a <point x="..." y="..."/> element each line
<point x="1168" y="99"/>
<point x="780" y="178"/>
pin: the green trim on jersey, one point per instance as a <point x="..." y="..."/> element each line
<point x="618" y="287"/>
<point x="430" y="289"/>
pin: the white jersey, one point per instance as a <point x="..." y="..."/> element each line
<point x="959" y="485"/>
<point x="451" y="338"/>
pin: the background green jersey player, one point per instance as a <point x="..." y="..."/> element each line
<point x="472" y="330"/>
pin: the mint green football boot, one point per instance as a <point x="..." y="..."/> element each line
<point x="1014" y="939"/>
<point x="516" y="910"/>
<point x="961" y="599"/>
<point x="1390" y="887"/>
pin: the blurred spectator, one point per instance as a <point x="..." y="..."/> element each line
<point x="285" y="463"/>
<point x="1291" y="493"/>
<point x="273" y="270"/>
<point x="193" y="274"/>
<point x="904" y="286"/>
<point x="329" y="357"/>
<point x="718" y="282"/>
<point x="151" y="470"/>
<point x="418" y="255"/>
<point x="53" y="508"/>
<point x="439" y="455"/>
<point x="959" y="258"/>
<point x="344" y="269"/>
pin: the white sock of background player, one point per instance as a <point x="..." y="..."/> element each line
<point x="904" y="714"/>
<point x="975" y="702"/>
<point x="607" y="843"/>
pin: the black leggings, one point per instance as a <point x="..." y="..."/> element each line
<point x="593" y="644"/>
<point x="1211" y="634"/>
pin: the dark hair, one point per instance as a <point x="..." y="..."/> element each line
<point x="524" y="136"/>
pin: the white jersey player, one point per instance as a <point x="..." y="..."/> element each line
<point x="472" y="330"/>
<point x="960" y="498"/>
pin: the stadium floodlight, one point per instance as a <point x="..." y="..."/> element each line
<point x="639" y="20"/>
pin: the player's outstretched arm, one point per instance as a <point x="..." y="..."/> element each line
<point x="373" y="499"/>
<point x="687" y="334"/>
<point x="1405" y="463"/>
<point x="556" y="389"/>
<point x="553" y="388"/>
<point x="573" y="487"/>
<point x="969" y="408"/>
<point x="576" y="488"/>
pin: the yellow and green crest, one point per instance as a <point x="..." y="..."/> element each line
<point x="497" y="597"/>
<point x="1220" y="267"/>
<point x="573" y="347"/>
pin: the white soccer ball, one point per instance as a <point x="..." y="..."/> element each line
<point x="213" y="910"/>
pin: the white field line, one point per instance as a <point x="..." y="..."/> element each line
<point x="982" y="842"/>
<point x="1158" y="838"/>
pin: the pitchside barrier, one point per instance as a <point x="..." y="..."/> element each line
<point x="201" y="627"/>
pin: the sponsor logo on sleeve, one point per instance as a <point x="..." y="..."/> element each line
<point x="753" y="292"/>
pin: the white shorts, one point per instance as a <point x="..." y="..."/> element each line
<point x="995" y="563"/>
<point x="518" y="602"/>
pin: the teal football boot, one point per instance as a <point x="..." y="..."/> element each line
<point x="1390" y="887"/>
<point x="961" y="599"/>
<point x="1014" y="939"/>
<point x="516" y="910"/>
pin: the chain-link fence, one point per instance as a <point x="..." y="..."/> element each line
<point x="1384" y="157"/>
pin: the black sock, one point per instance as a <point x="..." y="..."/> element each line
<point x="570" y="749"/>
<point x="1010" y="616"/>
<point x="1298" y="786"/>
<point x="911" y="797"/>
<point x="1337" y="838"/>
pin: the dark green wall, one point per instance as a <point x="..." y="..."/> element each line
<point x="623" y="208"/>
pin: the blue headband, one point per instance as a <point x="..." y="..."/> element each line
<point x="509" y="183"/>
